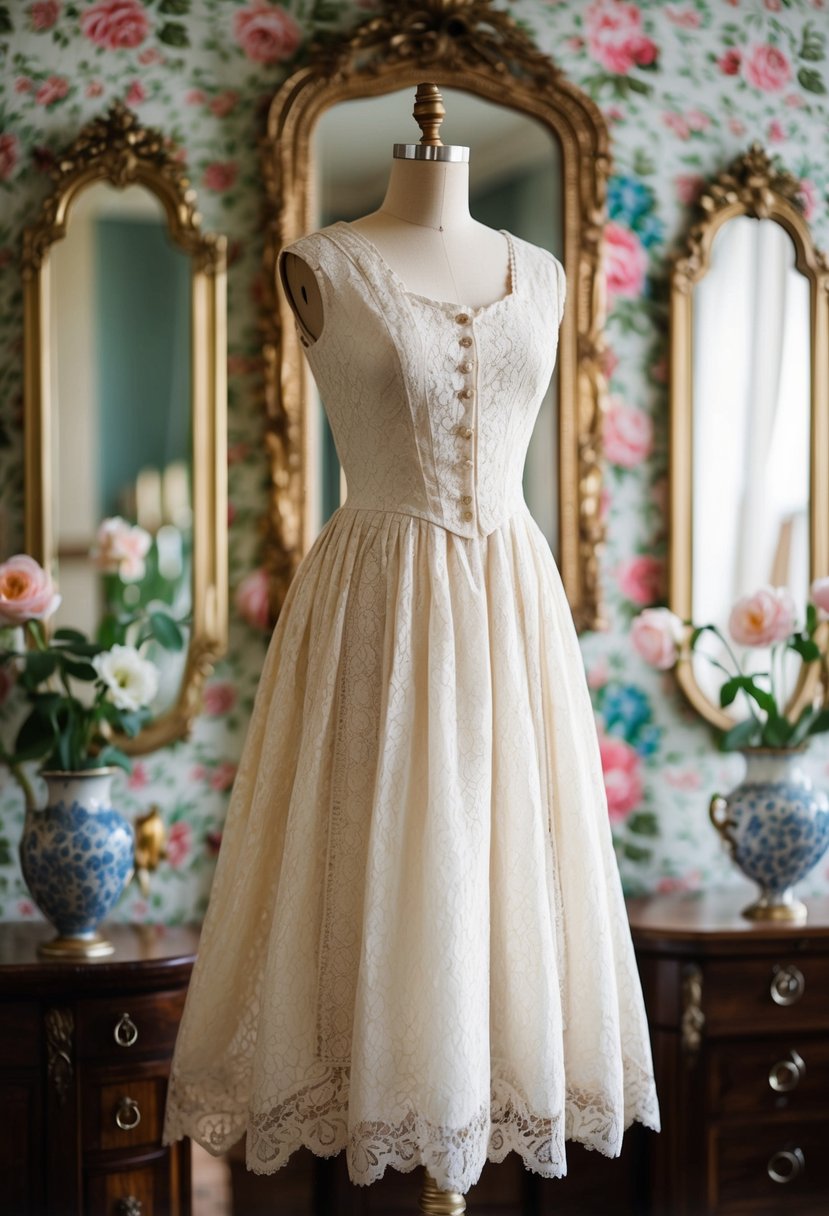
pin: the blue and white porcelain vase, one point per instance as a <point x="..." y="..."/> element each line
<point x="775" y="825"/>
<point x="77" y="855"/>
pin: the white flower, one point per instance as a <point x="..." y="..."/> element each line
<point x="120" y="548"/>
<point x="131" y="679"/>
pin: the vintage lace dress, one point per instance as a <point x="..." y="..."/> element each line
<point x="416" y="947"/>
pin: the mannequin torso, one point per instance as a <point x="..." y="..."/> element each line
<point x="424" y="233"/>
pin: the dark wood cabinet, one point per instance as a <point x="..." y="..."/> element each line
<point x="85" y="1053"/>
<point x="739" y="1016"/>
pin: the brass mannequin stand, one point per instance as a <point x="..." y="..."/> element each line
<point x="440" y="1203"/>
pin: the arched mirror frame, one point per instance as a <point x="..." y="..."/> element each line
<point x="116" y="149"/>
<point x="461" y="44"/>
<point x="750" y="186"/>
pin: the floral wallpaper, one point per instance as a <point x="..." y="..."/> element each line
<point x="684" y="87"/>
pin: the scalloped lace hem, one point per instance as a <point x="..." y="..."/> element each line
<point x="316" y="1118"/>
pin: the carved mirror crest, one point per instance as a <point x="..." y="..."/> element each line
<point x="125" y="396"/>
<point x="478" y="56"/>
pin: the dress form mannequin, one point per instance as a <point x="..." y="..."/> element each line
<point x="422" y="230"/>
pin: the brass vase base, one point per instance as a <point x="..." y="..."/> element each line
<point x="440" y="1203"/>
<point x="71" y="949"/>
<point x="785" y="912"/>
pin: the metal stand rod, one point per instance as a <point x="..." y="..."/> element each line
<point x="440" y="1203"/>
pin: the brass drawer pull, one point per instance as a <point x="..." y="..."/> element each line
<point x="786" y="1165"/>
<point x="126" y="1031"/>
<point x="787" y="985"/>
<point x="130" y="1206"/>
<point x="127" y="1116"/>
<point x="785" y="1074"/>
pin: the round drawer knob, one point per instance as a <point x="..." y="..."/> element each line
<point x="785" y="1074"/>
<point x="129" y="1206"/>
<point x="787" y="985"/>
<point x="786" y="1165"/>
<point x="126" y="1031"/>
<point x="127" y="1116"/>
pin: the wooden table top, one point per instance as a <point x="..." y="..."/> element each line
<point x="713" y="918"/>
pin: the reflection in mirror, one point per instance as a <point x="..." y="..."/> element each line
<point x="121" y="420"/>
<point x="515" y="183"/>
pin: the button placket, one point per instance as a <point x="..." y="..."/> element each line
<point x="467" y="394"/>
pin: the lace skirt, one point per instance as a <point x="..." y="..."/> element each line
<point x="416" y="948"/>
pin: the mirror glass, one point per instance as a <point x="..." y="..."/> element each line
<point x="751" y="433"/>
<point x="120" y="317"/>
<point x="515" y="183"/>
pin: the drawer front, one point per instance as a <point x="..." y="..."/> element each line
<point x="149" y="1189"/>
<point x="118" y="1029"/>
<point x="764" y="1170"/>
<point x="751" y="1076"/>
<point x="777" y="994"/>
<point x="123" y="1113"/>
<point x="20" y="1042"/>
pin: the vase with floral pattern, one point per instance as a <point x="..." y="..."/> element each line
<point x="775" y="826"/>
<point x="77" y="855"/>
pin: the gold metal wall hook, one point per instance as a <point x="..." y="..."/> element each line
<point x="435" y="1202"/>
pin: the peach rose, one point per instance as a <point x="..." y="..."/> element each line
<point x="27" y="592"/>
<point x="622" y="769"/>
<point x="615" y="38"/>
<point x="656" y="635"/>
<point x="52" y="90"/>
<point x="266" y="33"/>
<point x="625" y="261"/>
<point x="9" y="152"/>
<point x="763" y="618"/>
<point x="220" y="175"/>
<point x="767" y="68"/>
<point x="820" y="594"/>
<point x="251" y="599"/>
<point x="120" y="548"/>
<point x="116" y="25"/>
<point x="628" y="434"/>
<point x="44" y="14"/>
<point x="641" y="579"/>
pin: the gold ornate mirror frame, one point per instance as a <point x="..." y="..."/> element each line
<point x="461" y="44"/>
<point x="751" y="186"/>
<point x="117" y="150"/>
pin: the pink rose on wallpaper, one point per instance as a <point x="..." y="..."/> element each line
<point x="641" y="579"/>
<point x="686" y="18"/>
<point x="808" y="197"/>
<point x="9" y="154"/>
<point x="736" y="127"/>
<point x="767" y="68"/>
<point x="729" y="62"/>
<point x="680" y="882"/>
<point x="682" y="778"/>
<point x="615" y="38"/>
<point x="266" y="33"/>
<point x="94" y="88"/>
<point x="151" y="55"/>
<point x="139" y="777"/>
<point x="599" y="674"/>
<point x="23" y="85"/>
<point x="195" y="97"/>
<point x="223" y="776"/>
<point x="52" y="90"/>
<point x="677" y="123"/>
<point x="220" y="175"/>
<point x="251" y="599"/>
<point x="697" y="120"/>
<point x="179" y="843"/>
<point x="622" y="768"/>
<point x="44" y="14"/>
<point x="776" y="132"/>
<point x="224" y="103"/>
<point x="135" y="94"/>
<point x="219" y="698"/>
<point x="628" y="434"/>
<point x="116" y="25"/>
<point x="688" y="187"/>
<point x="625" y="261"/>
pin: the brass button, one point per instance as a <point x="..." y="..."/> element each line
<point x="465" y="367"/>
<point x="467" y="464"/>
<point x="468" y="515"/>
<point x="466" y="500"/>
<point x="466" y="340"/>
<point x="462" y="318"/>
<point x="466" y="432"/>
<point x="466" y="394"/>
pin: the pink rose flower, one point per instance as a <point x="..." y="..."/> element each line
<point x="251" y="599"/>
<point x="697" y="120"/>
<point x="94" y="89"/>
<point x="27" y="592"/>
<point x="615" y="38"/>
<point x="223" y="776"/>
<point x="625" y="261"/>
<point x="641" y="579"/>
<point x="138" y="778"/>
<point x="763" y="618"/>
<point x="195" y="97"/>
<point x="688" y="187"/>
<point x="767" y="68"/>
<point x="44" y="14"/>
<point x="686" y="19"/>
<point x="794" y="101"/>
<point x="23" y="85"/>
<point x="729" y="62"/>
<point x="628" y="434"/>
<point x="116" y="25"/>
<point x="151" y="55"/>
<point x="135" y="94"/>
<point x="179" y="842"/>
<point x="219" y="698"/>
<point x="266" y="33"/>
<point x="622" y="768"/>
<point x="52" y="90"/>
<point x="682" y="778"/>
<point x="656" y="636"/>
<point x="776" y="133"/>
<point x="9" y="155"/>
<point x="820" y="594"/>
<point x="808" y="196"/>
<point x="220" y="175"/>
<point x="676" y="123"/>
<point x="224" y="103"/>
<point x="736" y="127"/>
<point x="120" y="548"/>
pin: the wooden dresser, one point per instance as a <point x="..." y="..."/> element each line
<point x="739" y="1017"/>
<point x="84" y="1057"/>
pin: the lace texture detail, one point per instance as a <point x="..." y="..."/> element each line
<point x="416" y="948"/>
